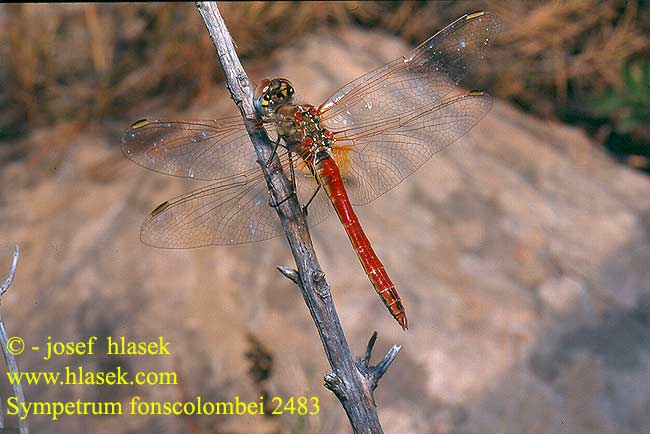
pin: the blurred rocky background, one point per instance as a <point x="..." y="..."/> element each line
<point x="522" y="253"/>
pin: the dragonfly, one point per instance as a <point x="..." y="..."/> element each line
<point x="361" y="142"/>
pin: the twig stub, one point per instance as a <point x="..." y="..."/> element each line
<point x="290" y="274"/>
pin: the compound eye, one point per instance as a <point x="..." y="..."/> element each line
<point x="284" y="88"/>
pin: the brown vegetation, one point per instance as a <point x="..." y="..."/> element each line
<point x="77" y="63"/>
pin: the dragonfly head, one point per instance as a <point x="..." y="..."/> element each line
<point x="271" y="94"/>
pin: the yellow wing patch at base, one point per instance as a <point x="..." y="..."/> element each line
<point x="341" y="155"/>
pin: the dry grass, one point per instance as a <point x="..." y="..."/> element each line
<point x="76" y="63"/>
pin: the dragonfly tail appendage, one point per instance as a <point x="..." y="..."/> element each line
<point x="393" y="302"/>
<point x="333" y="183"/>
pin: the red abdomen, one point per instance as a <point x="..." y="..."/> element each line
<point x="333" y="184"/>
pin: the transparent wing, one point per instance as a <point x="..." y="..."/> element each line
<point x="396" y="117"/>
<point x="421" y="78"/>
<point x="201" y="149"/>
<point x="383" y="154"/>
<point x="234" y="210"/>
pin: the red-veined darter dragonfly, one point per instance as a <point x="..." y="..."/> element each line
<point x="357" y="145"/>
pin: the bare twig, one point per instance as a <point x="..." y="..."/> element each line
<point x="12" y="272"/>
<point x="374" y="373"/>
<point x="353" y="384"/>
<point x="9" y="358"/>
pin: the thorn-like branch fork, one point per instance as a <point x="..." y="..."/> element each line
<point x="374" y="373"/>
<point x="10" y="360"/>
<point x="352" y="383"/>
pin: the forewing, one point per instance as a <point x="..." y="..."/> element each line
<point x="421" y="78"/>
<point x="207" y="150"/>
<point x="393" y="119"/>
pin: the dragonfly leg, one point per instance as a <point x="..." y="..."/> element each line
<point x="318" y="182"/>
<point x="304" y="208"/>
<point x="274" y="151"/>
<point x="277" y="204"/>
<point x="292" y="172"/>
<point x="293" y="181"/>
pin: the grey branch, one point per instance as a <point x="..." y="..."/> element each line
<point x="10" y="360"/>
<point x="352" y="384"/>
<point x="12" y="272"/>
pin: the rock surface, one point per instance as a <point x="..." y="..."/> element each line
<point x="521" y="253"/>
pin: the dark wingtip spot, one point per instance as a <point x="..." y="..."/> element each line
<point x="160" y="208"/>
<point x="475" y="15"/>
<point x="139" y="124"/>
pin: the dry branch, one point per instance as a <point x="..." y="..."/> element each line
<point x="352" y="383"/>
<point x="10" y="360"/>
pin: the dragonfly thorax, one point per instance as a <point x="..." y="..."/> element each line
<point x="298" y="125"/>
<point x="302" y="129"/>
